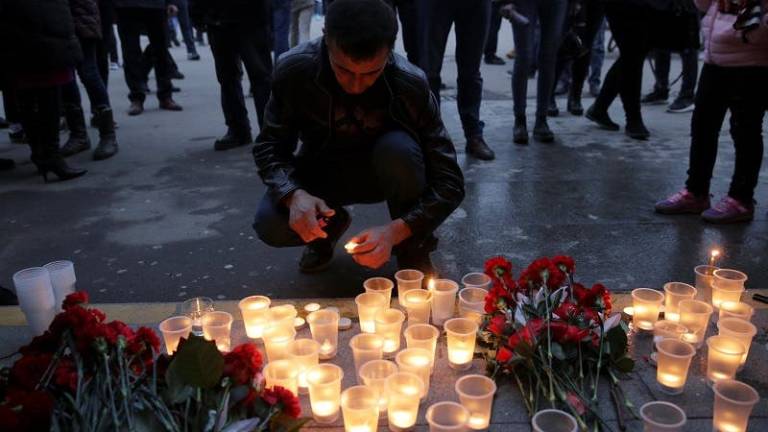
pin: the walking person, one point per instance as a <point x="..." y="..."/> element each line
<point x="185" y="24"/>
<point x="597" y="59"/>
<point x="660" y="94"/>
<point x="492" y="40"/>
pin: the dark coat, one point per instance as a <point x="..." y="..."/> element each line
<point x="300" y="105"/>
<point x="257" y="13"/>
<point x="85" y="13"/>
<point x="38" y="36"/>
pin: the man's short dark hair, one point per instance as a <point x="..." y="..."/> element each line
<point x="361" y="28"/>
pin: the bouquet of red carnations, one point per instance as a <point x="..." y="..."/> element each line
<point x="86" y="374"/>
<point x="554" y="337"/>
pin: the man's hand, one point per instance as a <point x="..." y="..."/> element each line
<point x="172" y="10"/>
<point x="306" y="212"/>
<point x="374" y="245"/>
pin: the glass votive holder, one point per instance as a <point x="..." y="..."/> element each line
<point x="173" y="329"/>
<point x="388" y="325"/>
<point x="423" y="336"/>
<point x="195" y="308"/>
<point x="443" y="300"/>
<point x="325" y="392"/>
<point x="276" y="342"/>
<point x="740" y="330"/>
<point x="374" y="374"/>
<point x="472" y="303"/>
<point x="217" y="326"/>
<point x="476" y="394"/>
<point x="305" y="354"/>
<point x="365" y="347"/>
<point x="674" y="293"/>
<point x="734" y="401"/>
<point x="368" y="303"/>
<point x="553" y="420"/>
<point x="665" y="329"/>
<point x="723" y="358"/>
<point x="404" y="391"/>
<point x="646" y="303"/>
<point x="324" y="326"/>
<point x="447" y="417"/>
<point x="418" y="304"/>
<point x="282" y="316"/>
<point x="695" y="316"/>
<point x="673" y="359"/>
<point x="417" y="362"/>
<point x="476" y="280"/>
<point x="408" y="280"/>
<point x="661" y="416"/>
<point x="728" y="285"/>
<point x="380" y="285"/>
<point x="462" y="333"/>
<point x="739" y="310"/>
<point x="360" y="409"/>
<point x="255" y="311"/>
<point x="283" y="373"/>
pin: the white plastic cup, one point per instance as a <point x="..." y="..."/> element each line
<point x="661" y="416"/>
<point x="476" y="280"/>
<point x="447" y="417"/>
<point x="407" y="280"/>
<point x="36" y="299"/>
<point x="173" y="329"/>
<point x="443" y="300"/>
<point x="62" y="279"/>
<point x="553" y="420"/>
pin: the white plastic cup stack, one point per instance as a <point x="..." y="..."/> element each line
<point x="36" y="299"/>
<point x="62" y="280"/>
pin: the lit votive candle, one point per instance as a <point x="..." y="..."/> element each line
<point x="365" y="347"/>
<point x="695" y="316"/>
<point x="311" y="307"/>
<point x="423" y="336"/>
<point x="661" y="416"/>
<point x="350" y="246"/>
<point x="740" y="330"/>
<point x="553" y="420"/>
<point x="462" y="334"/>
<point x="173" y="329"/>
<point x="741" y="310"/>
<point x="407" y="280"/>
<point x="195" y="308"/>
<point x="282" y="316"/>
<point x="666" y="330"/>
<point x="447" y="417"/>
<point x="476" y="394"/>
<point x="217" y="326"/>
<point x="443" y="300"/>
<point x="276" y="341"/>
<point x="673" y="359"/>
<point x="472" y="303"/>
<point x="704" y="278"/>
<point x="476" y="280"/>
<point x="305" y="354"/>
<point x="418" y="304"/>
<point x="727" y="286"/>
<point x="375" y="373"/>
<point x="325" y="392"/>
<point x="723" y="359"/>
<point x="404" y="390"/>
<point x="389" y="322"/>
<point x="733" y="405"/>
<point x="380" y="285"/>
<point x="646" y="303"/>
<point x="674" y="293"/>
<point x="368" y="303"/>
<point x="324" y="326"/>
<point x="360" y="409"/>
<point x="416" y="361"/>
<point x="255" y="311"/>
<point x="282" y="373"/>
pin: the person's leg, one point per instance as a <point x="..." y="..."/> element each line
<point x="598" y="54"/>
<point x="155" y="21"/>
<point x="293" y="38"/>
<point x="305" y="24"/>
<point x="552" y="19"/>
<point x="89" y="75"/>
<point x="271" y="222"/>
<point x="281" y="23"/>
<point x="690" y="58"/>
<point x="224" y="44"/>
<point x="492" y="40"/>
<point x="523" y="38"/>
<point x="595" y="17"/>
<point x="407" y="11"/>
<point x="256" y="58"/>
<point x="441" y="13"/>
<point x="129" y="29"/>
<point x="662" y="60"/>
<point x="471" y="27"/>
<point x="78" y="140"/>
<point x="186" y="27"/>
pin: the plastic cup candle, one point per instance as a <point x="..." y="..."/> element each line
<point x="388" y="325"/>
<point x="304" y="354"/>
<point x="282" y="316"/>
<point x="462" y="334"/>
<point x="217" y="326"/>
<point x="325" y="392"/>
<point x="404" y="390"/>
<point x="173" y="329"/>
<point x="374" y="374"/>
<point x="443" y="300"/>
<point x="282" y="373"/>
<point x="673" y="359"/>
<point x="365" y="347"/>
<point x="276" y="342"/>
<point x="674" y="293"/>
<point x="662" y="417"/>
<point x="195" y="308"/>
<point x="739" y="310"/>
<point x="727" y="286"/>
<point x="472" y="303"/>
<point x="553" y="420"/>
<point x="324" y="325"/>
<point x="36" y="298"/>
<point x="646" y="303"/>
<point x="724" y="358"/>
<point x="666" y="330"/>
<point x="447" y="417"/>
<point x="368" y="303"/>
<point x="360" y="409"/>
<point x="476" y="394"/>
<point x="423" y="336"/>
<point x="734" y="401"/>
<point x="739" y="330"/>
<point x="418" y="304"/>
<point x="476" y="280"/>
<point x="417" y="362"/>
<point x="63" y="280"/>
<point x="704" y="278"/>
<point x="407" y="280"/>
<point x="695" y="316"/>
<point x="255" y="311"/>
<point x="380" y="285"/>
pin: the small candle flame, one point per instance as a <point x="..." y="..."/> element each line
<point x="326" y="347"/>
<point x="350" y="246"/>
<point x="713" y="256"/>
<point x="431" y="284"/>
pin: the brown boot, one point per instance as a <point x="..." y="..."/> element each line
<point x="137" y="107"/>
<point x="170" y="105"/>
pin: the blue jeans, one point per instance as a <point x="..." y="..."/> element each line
<point x="185" y="23"/>
<point x="598" y="56"/>
<point x="88" y="71"/>
<point x="281" y="25"/>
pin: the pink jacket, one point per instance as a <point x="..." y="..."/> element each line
<point x="724" y="46"/>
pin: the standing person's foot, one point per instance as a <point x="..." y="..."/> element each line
<point x="493" y="59"/>
<point x="107" y="146"/>
<point x="170" y="105"/>
<point x="78" y="140"/>
<point x="636" y="129"/>
<point x="59" y="167"/>
<point x="4" y="123"/>
<point x="561" y="88"/>
<point x="574" y="106"/>
<point x="137" y="107"/>
<point x="318" y="254"/>
<point x="7" y="164"/>
<point x="656" y="97"/>
<point x="444" y="86"/>
<point x="232" y="140"/>
<point x="594" y="90"/>
<point x="729" y="210"/>
<point x="552" y="109"/>
<point x="681" y="104"/>
<point x="114" y="66"/>
<point x="682" y="202"/>
<point x="193" y="56"/>
<point x="542" y="132"/>
<point x="601" y="118"/>
<point x="175" y="89"/>
<point x="511" y="54"/>
<point x="476" y="147"/>
<point x="520" y="131"/>
<point x="177" y="75"/>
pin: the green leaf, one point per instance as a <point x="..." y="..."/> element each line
<point x="625" y="364"/>
<point x="557" y="351"/>
<point x="197" y="363"/>
<point x="177" y="391"/>
<point x="617" y="340"/>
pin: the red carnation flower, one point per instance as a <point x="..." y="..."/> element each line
<point x="538" y="271"/>
<point x="566" y="310"/>
<point x="27" y="372"/>
<point x="75" y="299"/>
<point x="526" y="334"/>
<point x="45" y="343"/>
<point x="497" y="324"/>
<point x="65" y="374"/>
<point x="144" y="339"/>
<point x="564" y="263"/>
<point x="565" y="333"/>
<point x="503" y="355"/>
<point x="282" y="396"/>
<point x="497" y="267"/>
<point x="243" y="363"/>
<point x="9" y="420"/>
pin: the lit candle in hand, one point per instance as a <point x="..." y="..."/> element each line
<point x="350" y="247"/>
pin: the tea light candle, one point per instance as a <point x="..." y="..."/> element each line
<point x="673" y="359"/>
<point x="423" y="336"/>
<point x="195" y="308"/>
<point x="443" y="299"/>
<point x="325" y="392"/>
<point x="646" y="303"/>
<point x="255" y="312"/>
<point x="360" y="409"/>
<point x="739" y="330"/>
<point x="727" y="286"/>
<point x="472" y="303"/>
<point x="713" y="255"/>
<point x="462" y="334"/>
<point x="666" y="330"/>
<point x="375" y="373"/>
<point x="368" y="304"/>
<point x="381" y="286"/>
<point x="476" y="394"/>
<point x="704" y="278"/>
<point x="404" y="391"/>
<point x="365" y="347"/>
<point x="311" y="307"/>
<point x="733" y="405"/>
<point x="407" y="280"/>
<point x="447" y="417"/>
<point x="305" y="354"/>
<point x="299" y="323"/>
<point x="695" y="316"/>
<point x="350" y="246"/>
<point x="276" y="342"/>
<point x="282" y="373"/>
<point x="674" y="293"/>
<point x="217" y="326"/>
<point x="173" y="329"/>
<point x="418" y="304"/>
<point x="723" y="358"/>
<point x="741" y="310"/>
<point x="417" y="362"/>
<point x="324" y="326"/>
<point x="282" y="316"/>
<point x="388" y="325"/>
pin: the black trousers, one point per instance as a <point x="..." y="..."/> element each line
<point x="231" y="46"/>
<point x="743" y="92"/>
<point x="662" y="60"/>
<point x="130" y="23"/>
<point x="492" y="41"/>
<point x="107" y="48"/>
<point x="595" y="14"/>
<point x="40" y="108"/>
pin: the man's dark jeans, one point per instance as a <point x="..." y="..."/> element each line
<point x="492" y="41"/>
<point x="185" y="23"/>
<point x="662" y="60"/>
<point x="391" y="170"/>
<point x="281" y="25"/>
<point x="231" y="45"/>
<point x="131" y="22"/>
<point x="88" y="71"/>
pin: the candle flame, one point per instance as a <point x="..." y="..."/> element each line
<point x="350" y="246"/>
<point x="431" y="284"/>
<point x="326" y="347"/>
<point x="715" y="253"/>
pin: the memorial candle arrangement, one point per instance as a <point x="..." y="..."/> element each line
<point x="173" y="329"/>
<point x="443" y="299"/>
<point x="305" y="354"/>
<point x="368" y="304"/>
<point x="738" y="330"/>
<point x="423" y="336"/>
<point x="282" y="373"/>
<point x="325" y="392"/>
<point x="365" y="347"/>
<point x="646" y="304"/>
<point x="447" y="417"/>
<point x="324" y="326"/>
<point x="674" y="293"/>
<point x="418" y="303"/>
<point x="728" y="285"/>
<point x="673" y="359"/>
<point x="217" y="326"/>
<point x="695" y="316"/>
<point x="360" y="409"/>
<point x="381" y="286"/>
<point x="462" y="333"/>
<point x="417" y="362"/>
<point x="389" y="322"/>
<point x="661" y="416"/>
<point x="276" y="342"/>
<point x="476" y="394"/>
<point x="195" y="308"/>
<point x="553" y="420"/>
<point x="723" y="358"/>
<point x="255" y="311"/>
<point x="408" y="280"/>
<point x="404" y="390"/>
<point x="733" y="405"/>
<point x="374" y="374"/>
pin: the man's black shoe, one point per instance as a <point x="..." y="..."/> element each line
<point x="494" y="60"/>
<point x="177" y="75"/>
<point x="318" y="254"/>
<point x="232" y="140"/>
<point x="602" y="119"/>
<point x="656" y="97"/>
<point x="477" y="148"/>
<point x="636" y="129"/>
<point x="574" y="106"/>
<point x="552" y="109"/>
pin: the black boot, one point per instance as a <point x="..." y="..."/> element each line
<point x="477" y="148"/>
<point x="318" y="254"/>
<point x="541" y="130"/>
<point x="44" y="141"/>
<point x="636" y="129"/>
<point x="520" y="131"/>
<point x="78" y="135"/>
<point x="552" y="109"/>
<point x="232" y="140"/>
<point x="107" y="146"/>
<point x="574" y="105"/>
<point x="602" y="118"/>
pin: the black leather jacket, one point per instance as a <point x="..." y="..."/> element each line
<point x="300" y="105"/>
